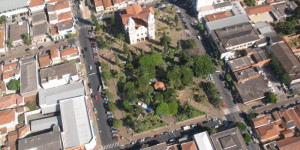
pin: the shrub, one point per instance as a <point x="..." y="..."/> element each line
<point x="13" y="84"/>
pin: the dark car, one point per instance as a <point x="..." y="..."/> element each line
<point x="297" y="102"/>
<point x="254" y="107"/>
<point x="166" y="133"/>
<point x="41" y="47"/>
<point x="267" y="112"/>
<point x="284" y="106"/>
<point x="171" y="140"/>
<point x="157" y="135"/>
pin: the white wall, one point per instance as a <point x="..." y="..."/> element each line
<point x="37" y="8"/>
<point x="14" y="12"/>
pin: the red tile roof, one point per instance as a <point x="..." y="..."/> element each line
<point x="262" y="120"/>
<point x="8" y="74"/>
<point x="218" y="16"/>
<point x="12" y="136"/>
<point x="98" y="3"/>
<point x="68" y="51"/>
<point x="7" y="116"/>
<point x="137" y="13"/>
<point x="53" y="30"/>
<point x="189" y="146"/>
<point x="289" y="143"/>
<point x="287" y="133"/>
<point x="10" y="100"/>
<point x="258" y="9"/>
<point x="290" y="115"/>
<point x="34" y="3"/>
<point x="20" y="109"/>
<point x="61" y="4"/>
<point x="54" y="53"/>
<point x="2" y="35"/>
<point x="10" y="66"/>
<point x="65" y="16"/>
<point x="107" y="3"/>
<point x="159" y="86"/>
<point x="23" y="131"/>
<point x="44" y="61"/>
<point x="269" y="132"/>
<point x="3" y="130"/>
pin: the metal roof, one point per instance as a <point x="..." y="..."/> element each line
<point x="49" y="99"/>
<point x="29" y="77"/>
<point x="225" y="22"/>
<point x="12" y="4"/>
<point x="76" y="126"/>
<point x="203" y="141"/>
<point x="44" y="123"/>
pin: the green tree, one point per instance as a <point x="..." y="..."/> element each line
<point x="285" y="27"/>
<point x="296" y="12"/>
<point x="250" y="2"/>
<point x="127" y="106"/>
<point x="3" y="19"/>
<point x="112" y="20"/>
<point x="13" y="84"/>
<point x="176" y="20"/>
<point x="70" y="36"/>
<point x="94" y="19"/>
<point x="191" y="43"/>
<point x="112" y="107"/>
<point x="158" y="98"/>
<point x="165" y="39"/>
<point x="203" y="66"/>
<point x="9" y="43"/>
<point x="251" y="116"/>
<point x="117" y="123"/>
<point x="186" y="76"/>
<point x="31" y="105"/>
<point x="125" y="48"/>
<point x="129" y="57"/>
<point x="173" y="107"/>
<point x="271" y="97"/>
<point x="129" y="90"/>
<point x="110" y="95"/>
<point x="26" y="38"/>
<point x="241" y="126"/>
<point x="228" y="77"/>
<point x="163" y="109"/>
<point x="100" y="39"/>
<point x="212" y="130"/>
<point x="200" y="26"/>
<point x="117" y="60"/>
<point x="178" y="47"/>
<point x="121" y="37"/>
<point x="247" y="137"/>
<point x="152" y="49"/>
<point x="98" y="27"/>
<point x="278" y="69"/>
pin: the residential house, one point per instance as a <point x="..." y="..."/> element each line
<point x="99" y="5"/>
<point x="37" y="5"/>
<point x="2" y="40"/>
<point x="269" y="132"/>
<point x="203" y="141"/>
<point x="290" y="117"/>
<point x="138" y="23"/>
<point x="119" y="4"/>
<point x="40" y="33"/>
<point x="69" y="53"/>
<point x="108" y="6"/>
<point x="8" y="118"/>
<point x="288" y="143"/>
<point x="11" y="71"/>
<point x="64" y="16"/>
<point x="16" y="32"/>
<point x="11" y="101"/>
<point x="29" y="77"/>
<point x="228" y="139"/>
<point x="189" y="146"/>
<point x="23" y="131"/>
<point x="46" y="141"/>
<point x="49" y="98"/>
<point x="38" y="18"/>
<point x="44" y="60"/>
<point x="9" y="8"/>
<point x="55" y="56"/>
<point x="262" y="121"/>
<point x="58" y="75"/>
<point x="260" y="13"/>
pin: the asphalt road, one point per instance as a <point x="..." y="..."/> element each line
<point x="94" y="80"/>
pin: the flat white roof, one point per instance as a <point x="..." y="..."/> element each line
<point x="76" y="124"/>
<point x="203" y="141"/>
<point x="12" y="4"/>
<point x="225" y="22"/>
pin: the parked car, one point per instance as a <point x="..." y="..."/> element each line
<point x="113" y="128"/>
<point x="186" y="127"/>
<point x="297" y="102"/>
<point x="110" y="116"/>
<point x="193" y="125"/>
<point x="267" y="112"/>
<point x="91" y="67"/>
<point x="41" y="47"/>
<point x="116" y="138"/>
<point x="108" y="113"/>
<point x="141" y="140"/>
<point x="284" y="106"/>
<point x="157" y="135"/>
<point x="133" y="142"/>
<point x="172" y="140"/>
<point x="96" y="97"/>
<point x="166" y="133"/>
<point x="95" y="110"/>
<point x="114" y="131"/>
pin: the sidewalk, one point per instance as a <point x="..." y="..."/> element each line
<point x="85" y="11"/>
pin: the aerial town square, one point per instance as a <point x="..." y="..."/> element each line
<point x="150" y="74"/>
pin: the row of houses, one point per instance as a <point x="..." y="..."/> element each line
<point x="113" y="5"/>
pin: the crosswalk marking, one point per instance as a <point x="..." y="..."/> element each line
<point x="110" y="146"/>
<point x="231" y="110"/>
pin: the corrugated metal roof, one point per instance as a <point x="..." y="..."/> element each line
<point x="44" y="123"/>
<point x="10" y="4"/>
<point x="225" y="22"/>
<point x="76" y="125"/>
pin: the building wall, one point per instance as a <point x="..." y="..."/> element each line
<point x="56" y="60"/>
<point x="67" y="31"/>
<point x="39" y="39"/>
<point x="15" y="12"/>
<point x="213" y="11"/>
<point x="99" y="9"/>
<point x="37" y="8"/>
<point x="253" y="77"/>
<point x="202" y="3"/>
<point x="71" y="57"/>
<point x="16" y="76"/>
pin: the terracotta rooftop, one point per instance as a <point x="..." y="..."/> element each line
<point x="269" y="131"/>
<point x="61" y="4"/>
<point x="8" y="74"/>
<point x="20" y="125"/>
<point x="53" y="30"/>
<point x="20" y="109"/>
<point x="159" y="86"/>
<point x="258" y="9"/>
<point x="276" y="116"/>
<point x="12" y="136"/>
<point x="218" y="16"/>
<point x="7" y="116"/>
<point x="10" y="66"/>
<point x="2" y="35"/>
<point x="289" y="143"/>
<point x="137" y="13"/>
<point x="98" y="3"/>
<point x="290" y="115"/>
<point x="10" y="100"/>
<point x="107" y="3"/>
<point x="54" y="53"/>
<point x="173" y="147"/>
<point x="68" y="51"/>
<point x="44" y="60"/>
<point x="23" y="131"/>
<point x="189" y="146"/>
<point x="261" y="120"/>
<point x="287" y="133"/>
<point x="34" y="3"/>
<point x="65" y="16"/>
<point x="3" y="130"/>
<point x="2" y="86"/>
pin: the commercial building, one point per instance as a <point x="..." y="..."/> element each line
<point x="203" y="141"/>
<point x="9" y="7"/>
<point x="29" y="77"/>
<point x="230" y="139"/>
<point x="16" y="32"/>
<point x="69" y="53"/>
<point x="49" y="98"/>
<point x="58" y="75"/>
<point x="138" y="23"/>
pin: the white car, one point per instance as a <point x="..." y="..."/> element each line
<point x="186" y="128"/>
<point x="199" y="37"/>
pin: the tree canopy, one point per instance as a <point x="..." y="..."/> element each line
<point x="163" y="109"/>
<point x="278" y="69"/>
<point x="26" y="39"/>
<point x="203" y="66"/>
<point x="165" y="40"/>
<point x="117" y="123"/>
<point x="250" y="2"/>
<point x="13" y="84"/>
<point x="112" y="107"/>
<point x="271" y="97"/>
<point x="173" y="107"/>
<point x="247" y="137"/>
<point x="3" y="19"/>
<point x="285" y="27"/>
<point x="297" y="12"/>
<point x="241" y="126"/>
<point x="191" y="43"/>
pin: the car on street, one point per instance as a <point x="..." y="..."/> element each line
<point x="116" y="138"/>
<point x="95" y="54"/>
<point x="186" y="127"/>
<point x="95" y="110"/>
<point x="166" y="133"/>
<point x="133" y="142"/>
<point x="148" y="138"/>
<point x="91" y="67"/>
<point x="284" y="107"/>
<point x="41" y="47"/>
<point x="141" y="140"/>
<point x="172" y="140"/>
<point x="254" y="107"/>
<point x="113" y="128"/>
<point x="96" y="97"/>
<point x="157" y="135"/>
<point x="193" y="125"/>
<point x="114" y="131"/>
<point x="108" y="113"/>
<point x="297" y="102"/>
